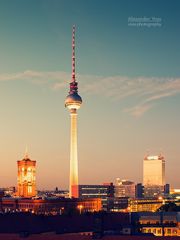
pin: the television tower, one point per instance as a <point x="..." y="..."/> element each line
<point x="73" y="102"/>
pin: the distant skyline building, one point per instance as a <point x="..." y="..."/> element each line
<point x="73" y="102"/>
<point x="26" y="177"/>
<point x="139" y="190"/>
<point x="124" y="188"/>
<point x="153" y="175"/>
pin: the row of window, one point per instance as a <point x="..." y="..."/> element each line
<point x="158" y="231"/>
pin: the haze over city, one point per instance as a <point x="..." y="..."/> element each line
<point x="128" y="78"/>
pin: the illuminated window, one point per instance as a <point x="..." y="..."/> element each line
<point x="29" y="189"/>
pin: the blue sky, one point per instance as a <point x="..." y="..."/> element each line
<point x="129" y="80"/>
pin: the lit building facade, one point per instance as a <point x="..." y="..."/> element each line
<point x="149" y="205"/>
<point x="50" y="206"/>
<point x="160" y="224"/>
<point x="26" y="186"/>
<point x="73" y="102"/>
<point x="153" y="175"/>
<point x="124" y="188"/>
<point x="145" y="205"/>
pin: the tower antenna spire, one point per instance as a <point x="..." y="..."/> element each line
<point x="73" y="54"/>
<point x="73" y="83"/>
<point x="26" y="155"/>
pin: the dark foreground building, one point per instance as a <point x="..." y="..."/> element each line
<point x="95" y="225"/>
<point x="52" y="236"/>
<point x="69" y="223"/>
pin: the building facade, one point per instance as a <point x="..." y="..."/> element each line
<point x="26" y="186"/>
<point x="150" y="204"/>
<point x="103" y="192"/>
<point x="118" y="204"/>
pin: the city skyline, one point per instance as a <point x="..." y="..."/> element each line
<point x="129" y="81"/>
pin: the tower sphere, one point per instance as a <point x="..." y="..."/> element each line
<point x="73" y="101"/>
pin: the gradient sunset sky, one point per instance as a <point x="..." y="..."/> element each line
<point x="129" y="80"/>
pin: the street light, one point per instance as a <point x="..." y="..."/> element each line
<point x="80" y="207"/>
<point x="61" y="210"/>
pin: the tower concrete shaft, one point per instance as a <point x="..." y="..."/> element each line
<point x="73" y="184"/>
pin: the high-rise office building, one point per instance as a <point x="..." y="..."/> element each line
<point x="26" y="177"/>
<point x="153" y="175"/>
<point x="73" y="102"/>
